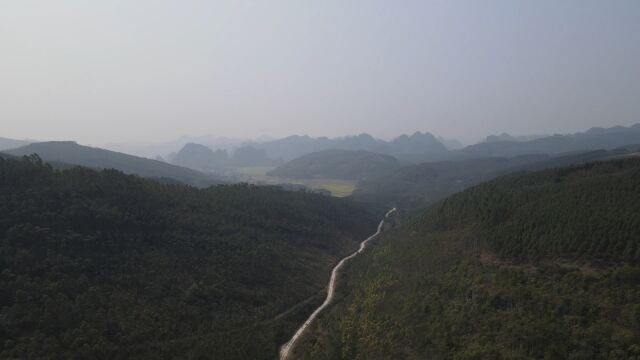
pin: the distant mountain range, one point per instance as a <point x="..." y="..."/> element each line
<point x="69" y="152"/>
<point x="197" y="156"/>
<point x="401" y="147"/>
<point x="407" y="149"/>
<point x="592" y="139"/>
<point x="203" y="158"/>
<point x="168" y="149"/>
<point x="508" y="137"/>
<point x="417" y="185"/>
<point x="268" y="153"/>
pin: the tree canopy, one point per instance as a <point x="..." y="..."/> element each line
<point x="99" y="264"/>
<point x="538" y="265"/>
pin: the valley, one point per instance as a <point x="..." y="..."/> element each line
<point x="320" y="180"/>
<point x="477" y="247"/>
<point x="144" y="268"/>
<point x="331" y="289"/>
<point x="530" y="265"/>
<point x="259" y="176"/>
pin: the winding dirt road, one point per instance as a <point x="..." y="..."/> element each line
<point x="286" y="348"/>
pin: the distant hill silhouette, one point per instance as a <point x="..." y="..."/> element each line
<point x="418" y="185"/>
<point x="164" y="149"/>
<point x="6" y="143"/>
<point x="593" y="139"/>
<point x="416" y="148"/>
<point x="412" y="148"/>
<point x="405" y="146"/>
<point x="200" y="157"/>
<point x="338" y="164"/>
<point x="508" y="137"/>
<point x="72" y="153"/>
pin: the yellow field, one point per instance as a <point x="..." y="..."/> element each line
<point x="338" y="188"/>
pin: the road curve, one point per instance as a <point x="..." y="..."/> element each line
<point x="286" y="348"/>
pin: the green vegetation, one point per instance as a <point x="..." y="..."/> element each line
<point x="70" y="153"/>
<point x="337" y="188"/>
<point x="529" y="266"/>
<point x="107" y="265"/>
<point x="338" y="164"/>
<point x="415" y="186"/>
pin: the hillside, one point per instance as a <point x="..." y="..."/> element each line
<point x="338" y="164"/>
<point x="527" y="266"/>
<point x="6" y="143"/>
<point x="405" y="146"/>
<point x="592" y="139"/>
<point x="416" y="148"/>
<point x="415" y="186"/>
<point x="71" y="153"/>
<point x="200" y="157"/>
<point x="423" y="184"/>
<point x="107" y="265"/>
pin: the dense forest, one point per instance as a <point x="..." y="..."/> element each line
<point x="542" y="265"/>
<point x="99" y="264"/>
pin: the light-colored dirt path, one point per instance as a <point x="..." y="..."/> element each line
<point x="286" y="348"/>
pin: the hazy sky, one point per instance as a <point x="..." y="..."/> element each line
<point x="149" y="70"/>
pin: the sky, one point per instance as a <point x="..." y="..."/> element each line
<point x="153" y="70"/>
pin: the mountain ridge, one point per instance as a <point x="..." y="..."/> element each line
<point x="338" y="164"/>
<point x="70" y="152"/>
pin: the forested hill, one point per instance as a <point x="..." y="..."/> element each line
<point x="71" y="153"/>
<point x="107" y="265"/>
<point x="416" y="186"/>
<point x="527" y="266"/>
<point x="592" y="139"/>
<point x="338" y="164"/>
<point x="588" y="212"/>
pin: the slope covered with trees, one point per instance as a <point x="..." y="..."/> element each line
<point x="108" y="265"/>
<point x="338" y="164"/>
<point x="541" y="265"/>
<point x="415" y="186"/>
<point x="69" y="152"/>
